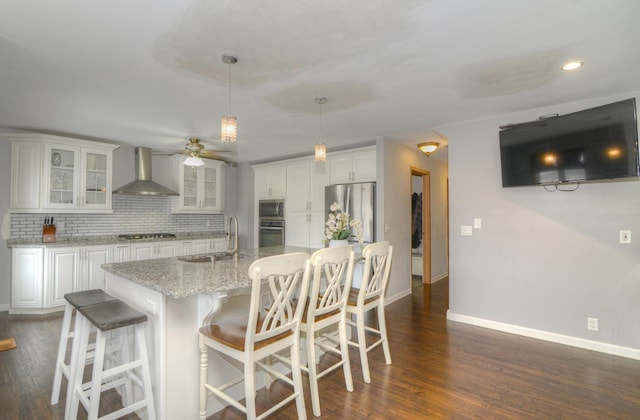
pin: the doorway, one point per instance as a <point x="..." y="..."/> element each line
<point x="421" y="224"/>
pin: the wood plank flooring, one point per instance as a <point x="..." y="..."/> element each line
<point x="440" y="370"/>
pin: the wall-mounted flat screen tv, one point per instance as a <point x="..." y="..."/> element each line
<point x="594" y="144"/>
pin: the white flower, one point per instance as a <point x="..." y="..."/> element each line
<point x="339" y="225"/>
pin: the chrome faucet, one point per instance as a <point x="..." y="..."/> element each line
<point x="233" y="250"/>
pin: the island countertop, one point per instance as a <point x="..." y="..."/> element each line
<point x="181" y="277"/>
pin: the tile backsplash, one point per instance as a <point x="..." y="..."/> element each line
<point x="131" y="214"/>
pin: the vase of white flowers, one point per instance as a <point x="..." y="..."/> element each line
<point x="339" y="227"/>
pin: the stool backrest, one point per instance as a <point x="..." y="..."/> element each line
<point x="335" y="267"/>
<point x="285" y="280"/>
<point x="377" y="266"/>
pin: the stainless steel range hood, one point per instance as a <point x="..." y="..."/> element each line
<point x="143" y="185"/>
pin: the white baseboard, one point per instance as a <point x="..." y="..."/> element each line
<point x="4" y="307"/>
<point x="439" y="277"/>
<point x="598" y="346"/>
<point x="398" y="296"/>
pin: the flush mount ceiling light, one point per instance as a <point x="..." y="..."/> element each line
<point x="572" y="65"/>
<point x="321" y="148"/>
<point x="428" y="147"/>
<point x="193" y="148"/>
<point x="229" y="130"/>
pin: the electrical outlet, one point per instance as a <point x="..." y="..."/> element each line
<point x="466" y="230"/>
<point x="592" y="324"/>
<point x="625" y="236"/>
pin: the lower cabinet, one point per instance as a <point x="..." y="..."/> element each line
<point x="202" y="246"/>
<point x="27" y="277"/>
<point x="73" y="269"/>
<point x="149" y="250"/>
<point x="40" y="277"/>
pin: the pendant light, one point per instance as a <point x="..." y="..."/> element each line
<point x="229" y="129"/>
<point x="321" y="148"/>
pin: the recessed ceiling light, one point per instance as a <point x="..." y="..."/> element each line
<point x="572" y="65"/>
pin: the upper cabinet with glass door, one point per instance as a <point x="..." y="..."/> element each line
<point x="74" y="175"/>
<point x="201" y="188"/>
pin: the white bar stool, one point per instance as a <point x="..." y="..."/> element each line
<point x="114" y="316"/>
<point x="75" y="301"/>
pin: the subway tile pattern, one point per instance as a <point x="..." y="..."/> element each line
<point x="131" y="214"/>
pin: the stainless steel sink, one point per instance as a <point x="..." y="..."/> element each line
<point x="206" y="258"/>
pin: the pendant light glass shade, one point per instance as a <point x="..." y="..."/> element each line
<point x="229" y="130"/>
<point x="320" y="153"/>
<point x="229" y="127"/>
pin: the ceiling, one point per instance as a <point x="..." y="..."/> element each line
<point x="150" y="73"/>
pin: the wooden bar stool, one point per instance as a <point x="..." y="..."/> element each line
<point x="75" y="301"/>
<point x="115" y="317"/>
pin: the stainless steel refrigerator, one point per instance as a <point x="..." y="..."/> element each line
<point x="359" y="201"/>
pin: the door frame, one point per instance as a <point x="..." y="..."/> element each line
<point x="426" y="221"/>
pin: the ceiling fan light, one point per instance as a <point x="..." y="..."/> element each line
<point x="321" y="152"/>
<point x="229" y="129"/>
<point x="193" y="161"/>
<point x="428" y="147"/>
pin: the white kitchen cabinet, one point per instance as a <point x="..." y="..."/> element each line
<point x="201" y="188"/>
<point x="71" y="269"/>
<point x="91" y="259"/>
<point x="121" y="253"/>
<point x="202" y="246"/>
<point x="67" y="175"/>
<point x="357" y="165"/>
<point x="148" y="250"/>
<point x="270" y="181"/>
<point x="61" y="274"/>
<point x="27" y="277"/>
<point x="196" y="246"/>
<point x="25" y="186"/>
<point x="304" y="209"/>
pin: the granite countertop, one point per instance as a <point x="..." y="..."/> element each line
<point x="178" y="278"/>
<point x="107" y="240"/>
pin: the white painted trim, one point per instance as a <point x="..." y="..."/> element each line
<point x="4" y="307"/>
<point x="397" y="296"/>
<point x="439" y="277"/>
<point x="598" y="346"/>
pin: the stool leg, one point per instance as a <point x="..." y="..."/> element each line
<point x="96" y="377"/>
<point x="76" y="370"/>
<point x="146" y="373"/>
<point x="62" y="354"/>
<point x="126" y="390"/>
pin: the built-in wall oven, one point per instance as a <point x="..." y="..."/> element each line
<point x="271" y="223"/>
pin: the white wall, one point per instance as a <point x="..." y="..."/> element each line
<point x="543" y="261"/>
<point x="394" y="186"/>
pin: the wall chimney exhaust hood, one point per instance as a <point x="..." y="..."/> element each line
<point x="143" y="185"/>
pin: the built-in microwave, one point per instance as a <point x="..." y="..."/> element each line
<point x="271" y="209"/>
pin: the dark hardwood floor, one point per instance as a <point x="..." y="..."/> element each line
<point x="440" y="370"/>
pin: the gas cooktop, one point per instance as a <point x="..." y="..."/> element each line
<point x="131" y="236"/>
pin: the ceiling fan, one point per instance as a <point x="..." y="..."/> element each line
<point x="194" y="148"/>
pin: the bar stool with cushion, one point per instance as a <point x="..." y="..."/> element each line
<point x="269" y="327"/>
<point x="75" y="301"/>
<point x="113" y="317"/>
<point x="370" y="296"/>
<point x="326" y="308"/>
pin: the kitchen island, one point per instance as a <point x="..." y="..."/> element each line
<point x="177" y="294"/>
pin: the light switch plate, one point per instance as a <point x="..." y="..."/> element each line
<point x="466" y="230"/>
<point x="477" y="223"/>
<point x="625" y="236"/>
